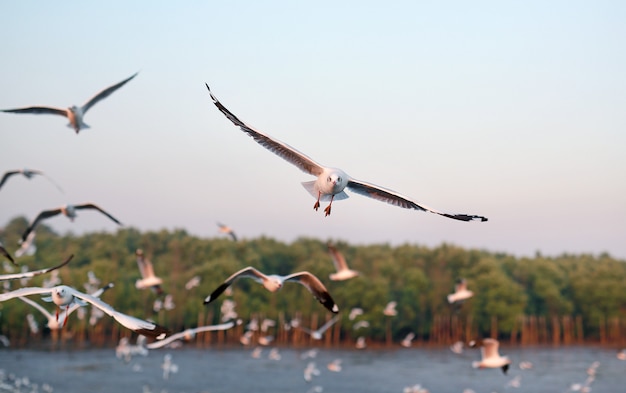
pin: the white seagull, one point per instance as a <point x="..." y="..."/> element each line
<point x="28" y="173"/>
<point x="69" y="211"/>
<point x="74" y="113"/>
<point x="390" y="309"/>
<point x="189" y="334"/>
<point x="331" y="182"/>
<point x="274" y="282"/>
<point x="64" y="296"/>
<point x="17" y="276"/>
<point x="461" y="292"/>
<point x="490" y="356"/>
<point x="148" y="278"/>
<point x="53" y="321"/>
<point x="343" y="271"/>
<point x="317" y="334"/>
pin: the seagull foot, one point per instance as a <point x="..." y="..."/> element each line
<point x="327" y="211"/>
<point x="317" y="205"/>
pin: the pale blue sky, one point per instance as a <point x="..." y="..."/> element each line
<point x="511" y="110"/>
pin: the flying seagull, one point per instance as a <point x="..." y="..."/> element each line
<point x="69" y="211"/>
<point x="490" y="356"/>
<point x="17" y="276"/>
<point x="274" y="282"/>
<point x="148" y="278"/>
<point x="64" y="296"/>
<point x="223" y="228"/>
<point x="53" y="321"/>
<point x="317" y="334"/>
<point x="28" y="173"/>
<point x="189" y="334"/>
<point x="74" y="113"/>
<point x="331" y="182"/>
<point x="461" y="292"/>
<point x="343" y="271"/>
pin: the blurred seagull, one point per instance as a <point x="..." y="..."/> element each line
<point x="331" y="182"/>
<point x="227" y="230"/>
<point x="461" y="292"/>
<point x="148" y="278"/>
<point x="189" y="334"/>
<point x="334" y="366"/>
<point x="5" y="253"/>
<point x="406" y="342"/>
<point x="69" y="211"/>
<point x="343" y="271"/>
<point x="74" y="113"/>
<point x="360" y="343"/>
<point x="274" y="282"/>
<point x="53" y="321"/>
<point x="28" y="173"/>
<point x="192" y="283"/>
<point x="64" y="296"/>
<point x="355" y="312"/>
<point x="360" y="324"/>
<point x="490" y="356"/>
<point x="17" y="276"/>
<point x="317" y="334"/>
<point x="390" y="309"/>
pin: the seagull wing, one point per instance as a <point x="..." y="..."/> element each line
<point x="92" y="206"/>
<point x="328" y="324"/>
<point x="338" y="260"/>
<point x="315" y="286"/>
<point x="246" y="272"/>
<point x="6" y="254"/>
<point x="392" y="197"/>
<point x="48" y="110"/>
<point x="181" y="335"/>
<point x="105" y="93"/>
<point x="38" y="306"/>
<point x="75" y="305"/>
<point x="42" y="216"/>
<point x="26" y="291"/>
<point x="7" y="175"/>
<point x="135" y="324"/>
<point x="34" y="273"/>
<point x="277" y="147"/>
<point x="489" y="348"/>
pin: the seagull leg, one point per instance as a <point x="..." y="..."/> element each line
<point x="327" y="209"/>
<point x="57" y="314"/>
<point x="317" y="203"/>
<point x="66" y="312"/>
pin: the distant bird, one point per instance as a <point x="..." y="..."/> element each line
<point x="355" y="312"/>
<point x="360" y="343"/>
<point x="256" y="352"/>
<point x="408" y="339"/>
<point x="227" y="230"/>
<point x="317" y="334"/>
<point x="53" y="321"/>
<point x="274" y="354"/>
<point x="343" y="271"/>
<point x="360" y="325"/>
<point x="69" y="211"/>
<point x="245" y="338"/>
<point x="27" y="247"/>
<point x="74" y="113"/>
<point x="490" y="356"/>
<point x="126" y="350"/>
<point x="274" y="282"/>
<point x="331" y="182"/>
<point x="390" y="309"/>
<point x="28" y="173"/>
<point x="621" y="355"/>
<point x="189" y="334"/>
<point x="311" y="371"/>
<point x="457" y="347"/>
<point x="17" y="276"/>
<point x="148" y="278"/>
<point x="64" y="296"/>
<point x="5" y="253"/>
<point x="192" y="283"/>
<point x="461" y="293"/>
<point x="334" y="366"/>
<point x="168" y="367"/>
<point x="265" y="340"/>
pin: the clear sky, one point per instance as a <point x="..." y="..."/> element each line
<point x="511" y="110"/>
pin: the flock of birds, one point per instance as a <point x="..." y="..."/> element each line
<point x="330" y="185"/>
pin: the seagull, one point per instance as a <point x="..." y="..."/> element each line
<point x="274" y="282"/>
<point x="227" y="230"/>
<point x="64" y="296"/>
<point x="148" y="279"/>
<point x="168" y="367"/>
<point x="28" y="173"/>
<point x="406" y="342"/>
<point x="5" y="253"/>
<point x="334" y="366"/>
<point x="390" y="309"/>
<point x="69" y="211"/>
<point x="192" y="283"/>
<point x="189" y="334"/>
<point x="17" y="276"/>
<point x="490" y="356"/>
<point x="460" y="292"/>
<point x="310" y="371"/>
<point x="317" y="334"/>
<point x="355" y="312"/>
<point x="53" y="321"/>
<point x="360" y="343"/>
<point x="331" y="182"/>
<point x="74" y="113"/>
<point x="343" y="271"/>
<point x="27" y="247"/>
<point x="360" y="325"/>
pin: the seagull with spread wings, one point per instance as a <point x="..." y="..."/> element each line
<point x="189" y="334"/>
<point x="461" y="293"/>
<point x="490" y="357"/>
<point x="331" y="182"/>
<point x="275" y="282"/>
<point x="343" y="271"/>
<point x="65" y="296"/>
<point x="148" y="278"/>
<point x="69" y="211"/>
<point x="318" y="333"/>
<point x="74" y="113"/>
<point x="28" y="173"/>
<point x="17" y="276"/>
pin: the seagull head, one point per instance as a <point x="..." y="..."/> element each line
<point x="62" y="295"/>
<point x="273" y="283"/>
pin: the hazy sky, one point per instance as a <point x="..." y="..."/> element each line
<point x="511" y="110"/>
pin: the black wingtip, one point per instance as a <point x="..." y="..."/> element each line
<point x="505" y="368"/>
<point x="215" y="294"/>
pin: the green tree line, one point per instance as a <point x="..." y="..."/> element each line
<point x="586" y="288"/>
